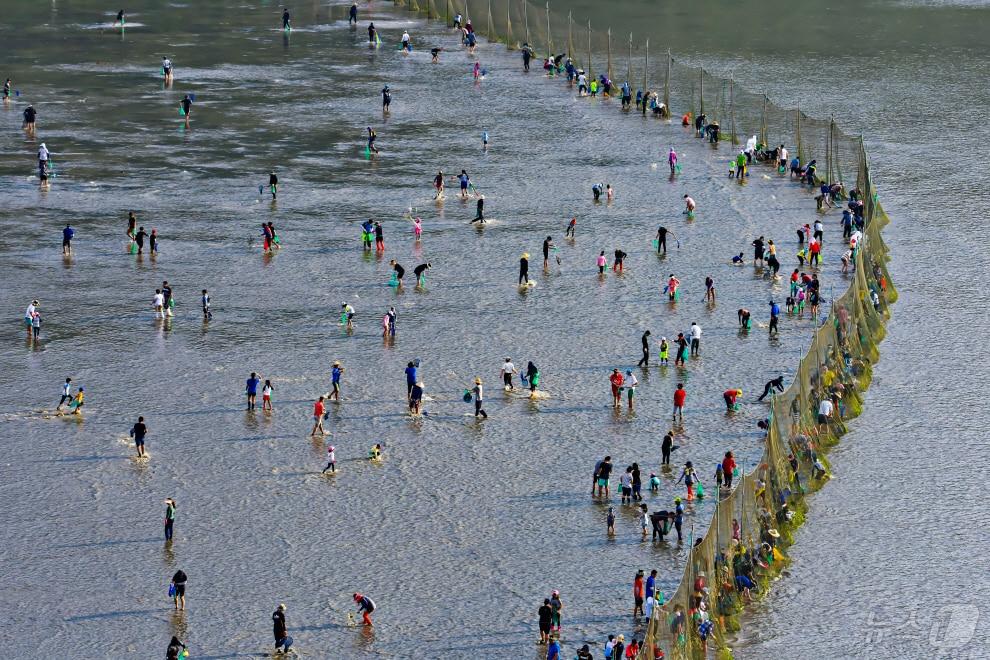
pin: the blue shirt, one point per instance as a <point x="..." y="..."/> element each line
<point x="68" y="233"/>
<point x="651" y="585"/>
<point x="411" y="375"/>
<point x="553" y="651"/>
<point x="335" y="375"/>
<point x="252" y="385"/>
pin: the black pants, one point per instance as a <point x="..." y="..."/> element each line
<point x="168" y="529"/>
<point x="478" y="409"/>
<point x="645" y="362"/>
<point x="507" y="379"/>
<point x="695" y="346"/>
<point x="766" y="391"/>
<point x="523" y="276"/>
<point x="662" y="245"/>
<point x="665" y="460"/>
<point x="773" y="325"/>
<point x="680" y="536"/>
<point x="728" y="479"/>
<point x="818" y="235"/>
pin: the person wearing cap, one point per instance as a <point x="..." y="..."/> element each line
<point x="29" y="314"/>
<point x="524" y="268"/>
<point x="507" y="370"/>
<point x="335" y="374"/>
<point x="372" y="136"/>
<point x="616" y="380"/>
<point x="678" y="518"/>
<point x="630" y="384"/>
<point x="584" y="653"/>
<point x="689" y="477"/>
<point x="479" y="396"/>
<point x="387" y="95"/>
<point x="365" y="607"/>
<point x="77" y="403"/>
<point x="664" y="352"/>
<point x="169" y="517"/>
<point x="480" y="215"/>
<point x="730" y="396"/>
<point x="282" y="639"/>
<point x="347" y="315"/>
<point x="331" y="459"/>
<point x="43" y="154"/>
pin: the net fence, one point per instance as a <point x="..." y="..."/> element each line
<point x="744" y="547"/>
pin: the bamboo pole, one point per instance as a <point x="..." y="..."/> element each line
<point x="526" y="18"/>
<point x="764" y="138"/>
<point x="629" y="62"/>
<point x="570" y="36"/>
<point x="491" y="28"/>
<point x="702" y="90"/>
<point x="798" y="132"/>
<point x="646" y="66"/>
<point x="732" y="111"/>
<point x="608" y="61"/>
<point x="549" y="34"/>
<point x="590" y="74"/>
<point x="508" y="26"/>
<point x="666" y="85"/>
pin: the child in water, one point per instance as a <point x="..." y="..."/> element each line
<point x="418" y="228"/>
<point x="375" y="453"/>
<point x="331" y="459"/>
<point x="266" y="396"/>
<point x="664" y="351"/>
<point x="610" y="522"/>
<point x="654" y="482"/>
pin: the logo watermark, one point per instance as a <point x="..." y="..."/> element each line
<point x="949" y="628"/>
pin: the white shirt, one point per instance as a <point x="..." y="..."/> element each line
<point x="331" y="457"/>
<point x="405" y="36"/>
<point x="825" y="408"/>
<point x="582" y="80"/>
<point x="695" y="331"/>
<point x="166" y="64"/>
<point x="29" y="312"/>
<point x="819" y="226"/>
<point x="43" y="153"/>
<point x="783" y="154"/>
<point x="631" y="381"/>
<point x="159" y="300"/>
<point x="508" y="368"/>
<point x="266" y="390"/>
<point x="479" y="392"/>
<point x="65" y="389"/>
<point x="626" y="480"/>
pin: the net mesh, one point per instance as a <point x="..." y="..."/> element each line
<point x="743" y="549"/>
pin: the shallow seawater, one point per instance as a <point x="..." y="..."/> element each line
<point x="466" y="525"/>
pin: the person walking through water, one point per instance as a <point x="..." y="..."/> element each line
<point x="775" y="384"/>
<point x="479" y="398"/>
<point x="273" y="185"/>
<point x="179" y="589"/>
<point x="480" y="216"/>
<point x="138" y="432"/>
<point x="372" y="136"/>
<point x="645" y="360"/>
<point x="286" y="19"/>
<point x="282" y="639"/>
<point x="186" y="105"/>
<point x="386" y="99"/>
<point x="524" y="269"/>
<point x="352" y="15"/>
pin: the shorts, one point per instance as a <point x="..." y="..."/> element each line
<point x="139" y="442"/>
<point x="626" y="491"/>
<point x="545" y="627"/>
<point x="336" y="386"/>
<point x="602" y="483"/>
<point x="27" y="321"/>
<point x="317" y="418"/>
<point x="66" y="242"/>
<point x="639" y="600"/>
<point x="822" y="419"/>
<point x="180" y="590"/>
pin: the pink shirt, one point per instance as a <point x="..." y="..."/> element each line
<point x="601" y="260"/>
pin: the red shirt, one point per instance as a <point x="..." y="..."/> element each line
<point x="616" y="380"/>
<point x="318" y="409"/>
<point x="731" y="394"/>
<point x="638" y="589"/>
<point x="728" y="465"/>
<point x="679" y="397"/>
